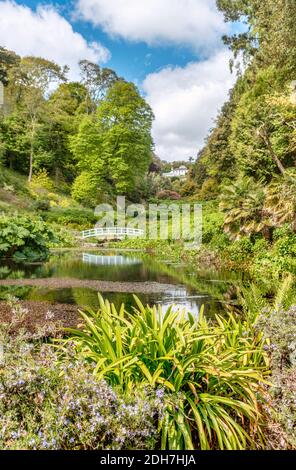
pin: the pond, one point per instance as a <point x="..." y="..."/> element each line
<point x="75" y="277"/>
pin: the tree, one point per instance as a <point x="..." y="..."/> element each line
<point x="31" y="80"/>
<point x="97" y="81"/>
<point x="64" y="110"/>
<point x="245" y="212"/>
<point x="216" y="156"/>
<point x="281" y="199"/>
<point x="85" y="189"/>
<point x="115" y="145"/>
<point x="8" y="59"/>
<point x="270" y="35"/>
<point x="14" y="142"/>
<point x="262" y="139"/>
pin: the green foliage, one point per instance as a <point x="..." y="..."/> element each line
<point x="86" y="189"/>
<point x="281" y="199"/>
<point x="40" y="184"/>
<point x="101" y="126"/>
<point x="8" y="59"/>
<point x="16" y="181"/>
<point x="241" y="250"/>
<point x="262" y="127"/>
<point x="115" y="146"/>
<point x="63" y="236"/>
<point x="212" y="230"/>
<point x="209" y="190"/>
<point x="97" y="81"/>
<point x="29" y="82"/>
<point x="23" y="237"/>
<point x="254" y="139"/>
<point x="71" y="217"/>
<point x="243" y="204"/>
<point x="48" y="405"/>
<point x="270" y="35"/>
<point x="279" y="326"/>
<point x="41" y="205"/>
<point x="251" y="210"/>
<point x="211" y="374"/>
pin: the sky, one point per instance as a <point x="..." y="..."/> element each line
<point x="171" y="49"/>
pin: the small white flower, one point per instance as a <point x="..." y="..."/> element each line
<point x="49" y="315"/>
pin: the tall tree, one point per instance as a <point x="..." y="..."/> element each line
<point x="115" y="146"/>
<point x="97" y="81"/>
<point x="8" y="59"/>
<point x="31" y="80"/>
<point x="270" y="35"/>
<point x="64" y="110"/>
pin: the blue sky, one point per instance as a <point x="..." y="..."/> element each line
<point x="172" y="49"/>
<point x="133" y="60"/>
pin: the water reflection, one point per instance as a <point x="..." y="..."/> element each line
<point x="115" y="260"/>
<point x="189" y="290"/>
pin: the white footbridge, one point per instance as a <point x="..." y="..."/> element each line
<point x="110" y="260"/>
<point x="112" y="232"/>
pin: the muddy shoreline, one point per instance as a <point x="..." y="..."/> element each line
<point x="100" y="286"/>
<point x="42" y="315"/>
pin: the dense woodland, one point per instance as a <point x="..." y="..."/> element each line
<point x="93" y="136"/>
<point x="249" y="160"/>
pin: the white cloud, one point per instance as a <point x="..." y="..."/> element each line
<point x="196" y="23"/>
<point x="47" y="34"/>
<point x="185" y="102"/>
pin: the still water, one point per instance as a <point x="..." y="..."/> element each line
<point x="187" y="290"/>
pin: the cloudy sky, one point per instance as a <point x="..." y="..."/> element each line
<point x="171" y="49"/>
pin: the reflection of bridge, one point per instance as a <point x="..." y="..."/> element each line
<point x="109" y="232"/>
<point x="109" y="260"/>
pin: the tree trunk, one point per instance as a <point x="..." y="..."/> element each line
<point x="31" y="150"/>
<point x="31" y="164"/>
<point x="265" y="137"/>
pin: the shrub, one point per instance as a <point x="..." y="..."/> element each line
<point x="41" y="205"/>
<point x="209" y="190"/>
<point x="188" y="188"/>
<point x="70" y="217"/>
<point x="41" y="183"/>
<point x="63" y="237"/>
<point x="213" y="221"/>
<point x="240" y="250"/>
<point x="22" y="237"/>
<point x="210" y="374"/>
<point x="85" y="189"/>
<point x="170" y="195"/>
<point x="46" y="404"/>
<point x="279" y="326"/>
<point x="286" y="246"/>
<point x="14" y="180"/>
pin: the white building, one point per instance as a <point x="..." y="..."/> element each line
<point x="177" y="172"/>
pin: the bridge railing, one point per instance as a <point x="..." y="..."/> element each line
<point x="106" y="231"/>
<point x="102" y="260"/>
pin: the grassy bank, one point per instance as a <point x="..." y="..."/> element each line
<point x="254" y="255"/>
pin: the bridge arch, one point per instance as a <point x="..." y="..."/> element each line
<point x="109" y="232"/>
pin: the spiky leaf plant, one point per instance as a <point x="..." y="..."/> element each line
<point x="210" y="374"/>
